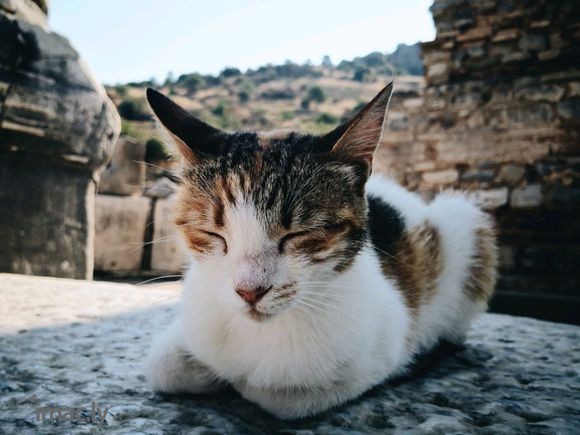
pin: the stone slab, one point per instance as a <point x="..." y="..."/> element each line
<point x="69" y="343"/>
<point x="168" y="253"/>
<point x="120" y="223"/>
<point x="46" y="218"/>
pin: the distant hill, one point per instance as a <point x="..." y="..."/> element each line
<point x="307" y="97"/>
<point x="405" y="60"/>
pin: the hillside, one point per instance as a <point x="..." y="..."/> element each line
<point x="309" y="98"/>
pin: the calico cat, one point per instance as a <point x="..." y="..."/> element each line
<point x="310" y="281"/>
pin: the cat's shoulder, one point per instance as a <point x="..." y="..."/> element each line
<point x="386" y="194"/>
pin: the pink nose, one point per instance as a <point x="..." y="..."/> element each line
<point x="252" y="295"/>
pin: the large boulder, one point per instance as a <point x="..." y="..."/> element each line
<point x="57" y="130"/>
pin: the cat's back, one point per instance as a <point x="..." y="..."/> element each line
<point x="441" y="256"/>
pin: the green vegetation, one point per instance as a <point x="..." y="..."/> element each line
<point x="133" y="110"/>
<point x="306" y="97"/>
<point x="316" y="94"/>
<point x="327" y="118"/>
<point x="156" y="151"/>
<point x="191" y="82"/>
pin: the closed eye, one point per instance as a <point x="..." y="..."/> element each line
<point x="320" y="233"/>
<point x="288" y="237"/>
<point x="217" y="236"/>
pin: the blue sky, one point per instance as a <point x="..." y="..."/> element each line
<point x="132" y="40"/>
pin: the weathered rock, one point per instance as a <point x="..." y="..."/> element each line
<point x="514" y="375"/>
<point x="168" y="254"/>
<point x="532" y="42"/>
<point x="47" y="218"/>
<point x="490" y="199"/>
<point x="120" y="232"/>
<point x="511" y="174"/>
<point x="54" y="106"/>
<point x="542" y="92"/>
<point x="527" y="196"/>
<point x="57" y="129"/>
<point x="441" y="177"/>
<point x="125" y="174"/>
<point x="570" y="109"/>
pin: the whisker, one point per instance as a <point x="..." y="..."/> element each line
<point x="162" y="239"/>
<point x="158" y="278"/>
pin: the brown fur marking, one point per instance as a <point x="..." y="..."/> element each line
<point x="480" y="283"/>
<point x="416" y="264"/>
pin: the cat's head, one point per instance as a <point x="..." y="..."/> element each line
<point x="272" y="217"/>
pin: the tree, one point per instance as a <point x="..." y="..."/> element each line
<point x="316" y="94"/>
<point x="192" y="82"/>
<point x="230" y="72"/>
<point x="362" y="75"/>
<point x="326" y="62"/>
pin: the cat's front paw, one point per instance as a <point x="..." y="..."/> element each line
<point x="171" y="369"/>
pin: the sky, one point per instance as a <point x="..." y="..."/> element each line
<point x="135" y="40"/>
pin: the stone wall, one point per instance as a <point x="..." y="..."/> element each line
<point x="135" y="233"/>
<point x="57" y="131"/>
<point x="501" y="118"/>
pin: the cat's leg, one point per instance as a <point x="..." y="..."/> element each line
<point x="170" y="368"/>
<point x="301" y="402"/>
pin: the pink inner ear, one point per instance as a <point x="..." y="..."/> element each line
<point x="363" y="136"/>
<point x="185" y="151"/>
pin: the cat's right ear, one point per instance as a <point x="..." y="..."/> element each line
<point x="189" y="133"/>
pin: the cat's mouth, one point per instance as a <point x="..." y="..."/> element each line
<point x="279" y="302"/>
<point x="258" y="315"/>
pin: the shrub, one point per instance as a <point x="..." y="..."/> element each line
<point x="133" y="110"/>
<point x="278" y="94"/>
<point x="155" y="151"/>
<point x="362" y="75"/>
<point x="316" y="94"/>
<point x="230" y="72"/>
<point x="243" y="96"/>
<point x="327" y="118"/>
<point x="286" y="115"/>
<point x="225" y="116"/>
<point x="192" y="82"/>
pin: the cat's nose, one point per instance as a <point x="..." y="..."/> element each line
<point x="252" y="295"/>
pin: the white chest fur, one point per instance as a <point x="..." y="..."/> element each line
<point x="362" y="333"/>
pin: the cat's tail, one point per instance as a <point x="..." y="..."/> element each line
<point x="468" y="240"/>
<point x="469" y="243"/>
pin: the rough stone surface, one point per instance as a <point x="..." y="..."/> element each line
<point x="120" y="225"/>
<point x="70" y="343"/>
<point x="125" y="173"/>
<point x="528" y="196"/>
<point x="490" y="199"/>
<point x="57" y="129"/>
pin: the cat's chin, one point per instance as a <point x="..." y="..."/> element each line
<point x="259" y="316"/>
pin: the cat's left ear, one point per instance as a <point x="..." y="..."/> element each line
<point x="358" y="138"/>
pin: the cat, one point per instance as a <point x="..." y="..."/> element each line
<point x="310" y="280"/>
